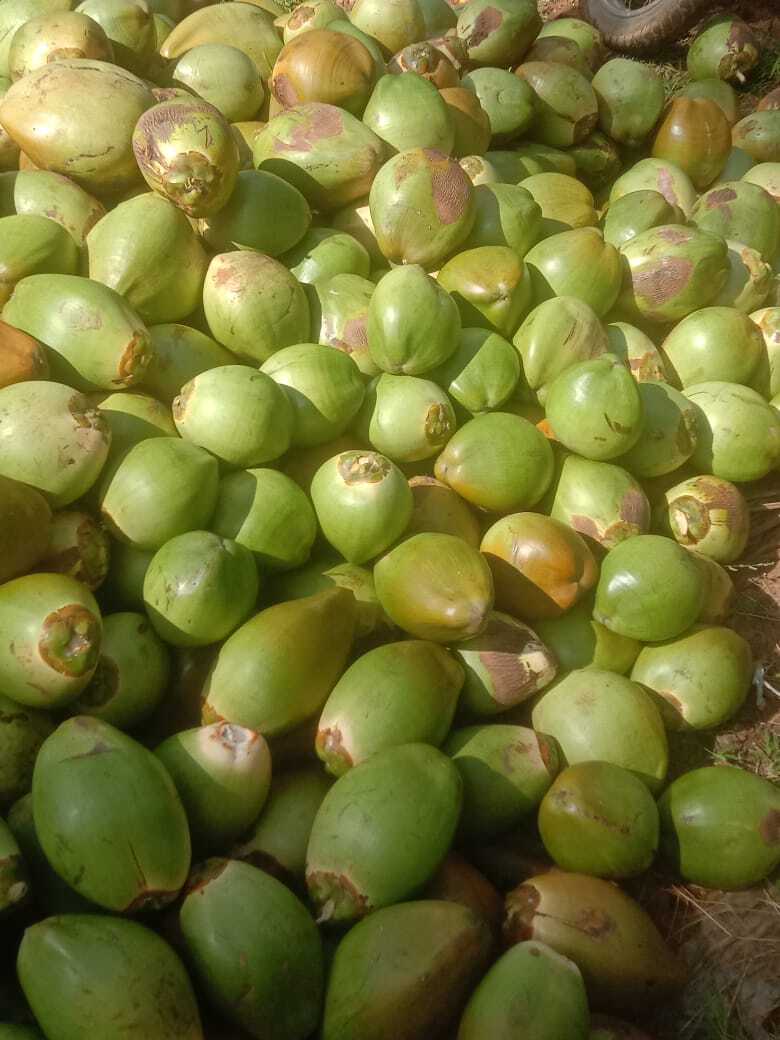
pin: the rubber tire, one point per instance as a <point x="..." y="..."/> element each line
<point x="657" y="23"/>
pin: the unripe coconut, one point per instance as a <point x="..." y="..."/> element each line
<point x="77" y="546"/>
<point x="323" y="253"/>
<point x="324" y="66"/>
<point x="55" y="35"/>
<point x="25" y="528"/>
<point x="650" y="589"/>
<point x="186" y="152"/>
<point x="707" y="514"/>
<point x="585" y="35"/>
<point x="598" y="160"/>
<point x="749" y="281"/>
<point x="469" y="119"/>
<point x="557" y="334"/>
<point x="251" y="942"/>
<point x="540" y="566"/>
<point x="427" y="61"/>
<point x="738" y="431"/>
<point x="341" y="312"/>
<point x="741" y="211"/>
<point x="199" y="587"/>
<point x="483" y="372"/>
<point x="716" y="344"/>
<point x="399" y="693"/>
<point x="22" y="731"/>
<point x="577" y="263"/>
<point x="669" y="432"/>
<point x="757" y="134"/>
<point x="435" y="586"/>
<point x="637" y="350"/>
<point x="224" y="76"/>
<point x="696" y="136"/>
<point x="396" y="817"/>
<point x="725" y="47"/>
<point x="498" y="462"/>
<point x="506" y="215"/>
<point x="717" y="90"/>
<point x="567" y="110"/>
<point x="439" y="510"/>
<point x="251" y="25"/>
<point x="407" y="111"/>
<point x="129" y="26"/>
<point x="491" y="287"/>
<point x="719" y="827"/>
<point x="405" y="418"/>
<point x="577" y="641"/>
<point x="599" y="819"/>
<point x="179" y="353"/>
<point x="509" y="102"/>
<point x="630" y="98"/>
<point x="144" y="850"/>
<point x="656" y="175"/>
<point x="70" y="424"/>
<point x="30" y="244"/>
<point x="702" y="678"/>
<point x="498" y="32"/>
<point x="631" y="214"/>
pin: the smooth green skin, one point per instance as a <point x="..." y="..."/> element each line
<point x="252" y="944"/>
<point x="413" y="323"/>
<point x="499" y="462"/>
<point x="257" y="682"/>
<point x="717" y="90"/>
<point x="187" y="153"/>
<point x="491" y="287"/>
<point x="375" y="978"/>
<point x="440" y="510"/>
<point x="47" y="658"/>
<point x="160" y="488"/>
<point x="509" y="101"/>
<point x="624" y="960"/>
<point x="264" y="213"/>
<point x="650" y="589"/>
<point x="222" y="773"/>
<point x="557" y="334"/>
<point x="340" y="317"/>
<point x="599" y="819"/>
<point x="50" y="195"/>
<point x="657" y="175"/>
<point x="749" y="281"/>
<point x="595" y="409"/>
<point x="132" y="418"/>
<point x="123" y="588"/>
<point x="199" y="588"/>
<point x="422" y="208"/>
<point x="323" y="386"/>
<point x="22" y="731"/>
<point x="738" y="432"/>
<point x="252" y="25"/>
<point x="506" y="771"/>
<point x="483" y="372"/>
<point x="325" y="252"/>
<point x="382" y="831"/>
<point x="506" y="215"/>
<point x="637" y="211"/>
<point x="724" y="48"/>
<point x="737" y="165"/>
<point x="719" y="827"/>
<point x="567" y="110"/>
<point x="576" y="263"/>
<point x="56" y="420"/>
<point x="399" y="693"/>
<point x="237" y="413"/>
<point x="14" y="15"/>
<point x="596" y="715"/>
<point x="180" y="353"/>
<point x="92" y="145"/>
<point x="324" y="151"/>
<point x="504" y="666"/>
<point x="394" y="25"/>
<point x="715" y="344"/>
<point x="598" y="160"/>
<point x="530" y="988"/>
<point x="52" y="894"/>
<point x="25" y="528"/>
<point x="511" y="167"/>
<point x="277" y="842"/>
<point x="668" y="434"/>
<point x="630" y="99"/>
<point x="438" y="17"/>
<point x="88" y="973"/>
<point x="577" y="641"/>
<point x="163" y="26"/>
<point x="435" y="586"/>
<point x="586" y="36"/>
<point x="84" y="770"/>
<point x="765" y="175"/>
<point x="224" y="76"/>
<point x="601" y="501"/>
<point x="268" y="513"/>
<point x="741" y="212"/>
<point x="707" y="514"/>
<point x="508" y="37"/>
<point x="405" y="418"/>
<point x="363" y="503"/>
<point x="32" y="244"/>
<point x="565" y="201"/>
<point x="719" y="594"/>
<point x="96" y="340"/>
<point x="673" y="271"/>
<point x="702" y="678"/>
<point x="407" y="111"/>
<point x="327" y="571"/>
<point x="253" y="305"/>
<point x="14" y="878"/>
<point x="128" y="26"/>
<point x="132" y="673"/>
<point x="160" y="272"/>
<point x="637" y="350"/>
<point x="768" y="320"/>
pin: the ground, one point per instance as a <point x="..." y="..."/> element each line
<point x="730" y="941"/>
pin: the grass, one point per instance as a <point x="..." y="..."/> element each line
<point x="760" y="753"/>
